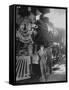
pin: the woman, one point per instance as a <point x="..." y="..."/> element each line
<point x="35" y="65"/>
<point x="43" y="59"/>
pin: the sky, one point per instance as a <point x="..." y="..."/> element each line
<point x="57" y="17"/>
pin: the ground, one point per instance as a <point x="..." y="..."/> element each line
<point x="58" y="73"/>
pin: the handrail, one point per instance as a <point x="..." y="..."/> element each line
<point x="23" y="67"/>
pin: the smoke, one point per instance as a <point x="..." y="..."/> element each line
<point x="54" y="19"/>
<point x="57" y="17"/>
<point x="57" y="24"/>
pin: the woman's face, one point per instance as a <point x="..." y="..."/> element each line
<point x="42" y="48"/>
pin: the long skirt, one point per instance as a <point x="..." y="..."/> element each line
<point x="36" y="70"/>
<point x="43" y="68"/>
